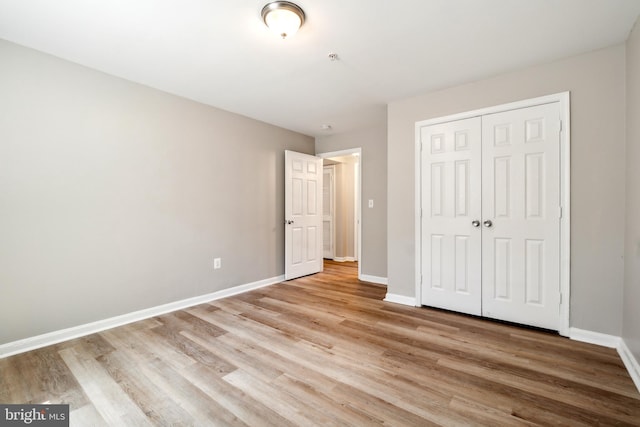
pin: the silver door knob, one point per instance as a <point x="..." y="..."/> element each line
<point x="475" y="223"/>
<point x="487" y="223"/>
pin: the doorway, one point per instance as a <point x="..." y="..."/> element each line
<point x="341" y="223"/>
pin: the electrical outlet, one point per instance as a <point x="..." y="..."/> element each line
<point x="217" y="263"/>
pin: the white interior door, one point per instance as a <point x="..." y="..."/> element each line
<point x="451" y="244"/>
<point x="490" y="242"/>
<point x="328" y="209"/>
<point x="303" y="214"/>
<point x="521" y="214"/>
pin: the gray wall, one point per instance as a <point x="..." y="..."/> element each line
<point x="116" y="197"/>
<point x="597" y="84"/>
<point x="373" y="142"/>
<point x="631" y="328"/>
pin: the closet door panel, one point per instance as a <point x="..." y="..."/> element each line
<point x="521" y="222"/>
<point x="451" y="245"/>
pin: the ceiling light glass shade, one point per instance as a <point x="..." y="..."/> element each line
<point x="283" y="17"/>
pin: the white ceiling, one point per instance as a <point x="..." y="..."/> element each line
<point x="220" y="53"/>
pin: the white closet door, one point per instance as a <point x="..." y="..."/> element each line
<point x="451" y="244"/>
<point x="521" y="216"/>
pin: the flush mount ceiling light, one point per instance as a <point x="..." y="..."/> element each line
<point x="283" y="17"/>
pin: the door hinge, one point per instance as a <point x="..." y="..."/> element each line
<point x="560" y="126"/>
<point x="559" y="211"/>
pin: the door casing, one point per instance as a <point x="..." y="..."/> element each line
<point x="563" y="99"/>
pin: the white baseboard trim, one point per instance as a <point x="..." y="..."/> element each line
<point x="630" y="362"/>
<point x="400" y="299"/>
<point x="374" y="279"/>
<point x="55" y="337"/>
<point x="597" y="338"/>
<point x="344" y="259"/>
<point x="611" y="341"/>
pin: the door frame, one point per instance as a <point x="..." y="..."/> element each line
<point x="358" y="214"/>
<point x="563" y="98"/>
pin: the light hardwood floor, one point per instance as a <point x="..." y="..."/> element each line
<point x="324" y="350"/>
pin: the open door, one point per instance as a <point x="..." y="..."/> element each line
<point x="303" y="214"/>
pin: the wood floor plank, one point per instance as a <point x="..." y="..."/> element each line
<point x="251" y="411"/>
<point x="113" y="404"/>
<point x="292" y="409"/>
<point x="86" y="416"/>
<point x="45" y="378"/>
<point x="325" y="401"/>
<point x="324" y="350"/>
<point x="586" y="398"/>
<point x="155" y="403"/>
